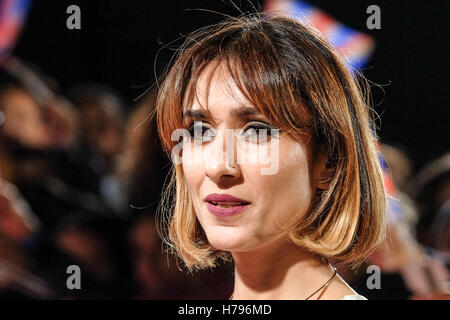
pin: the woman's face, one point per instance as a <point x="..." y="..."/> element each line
<point x="23" y="119"/>
<point x="269" y="200"/>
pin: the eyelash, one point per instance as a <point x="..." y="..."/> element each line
<point x="256" y="125"/>
<point x="192" y="128"/>
<point x="260" y="126"/>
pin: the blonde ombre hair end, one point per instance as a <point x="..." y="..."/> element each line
<point x="301" y="84"/>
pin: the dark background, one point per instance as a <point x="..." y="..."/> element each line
<point x="119" y="40"/>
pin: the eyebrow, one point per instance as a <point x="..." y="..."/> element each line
<point x="197" y="113"/>
<point x="244" y="111"/>
<point x="240" y="112"/>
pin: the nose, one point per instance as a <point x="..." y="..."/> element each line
<point x="220" y="161"/>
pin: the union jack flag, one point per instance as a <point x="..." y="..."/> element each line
<point x="12" y="17"/>
<point x="355" y="46"/>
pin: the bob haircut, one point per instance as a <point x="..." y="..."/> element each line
<point x="294" y="77"/>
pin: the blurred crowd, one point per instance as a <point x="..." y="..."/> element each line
<point x="81" y="174"/>
<point x="414" y="259"/>
<point x="80" y="183"/>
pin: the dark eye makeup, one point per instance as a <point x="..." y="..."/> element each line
<point x="252" y="129"/>
<point x="200" y="127"/>
<point x="258" y="128"/>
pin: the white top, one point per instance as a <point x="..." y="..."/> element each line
<point x="354" y="297"/>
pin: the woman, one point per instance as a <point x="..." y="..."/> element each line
<point x="259" y="85"/>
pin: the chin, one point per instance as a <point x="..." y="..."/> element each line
<point x="226" y="240"/>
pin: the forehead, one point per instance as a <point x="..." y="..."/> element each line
<point x="18" y="100"/>
<point x="215" y="91"/>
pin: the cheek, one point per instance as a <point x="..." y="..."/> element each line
<point x="296" y="158"/>
<point x="293" y="169"/>
<point x="287" y="193"/>
<point x="296" y="171"/>
<point x="193" y="173"/>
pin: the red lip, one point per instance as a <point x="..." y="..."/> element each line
<point x="214" y="197"/>
<point x="230" y="210"/>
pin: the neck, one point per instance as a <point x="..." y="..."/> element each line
<point x="279" y="270"/>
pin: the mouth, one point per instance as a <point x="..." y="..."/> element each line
<point x="228" y="204"/>
<point x="225" y="210"/>
<point x="225" y="205"/>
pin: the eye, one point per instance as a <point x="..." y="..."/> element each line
<point x="201" y="132"/>
<point x="259" y="130"/>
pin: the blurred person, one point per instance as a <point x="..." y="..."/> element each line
<point x="18" y="226"/>
<point x="100" y="117"/>
<point x="62" y="123"/>
<point x="431" y="189"/>
<point x="425" y="269"/>
<point x="28" y="145"/>
<point x="325" y="204"/>
<point x="141" y="170"/>
<point x="440" y="231"/>
<point x="409" y="270"/>
<point x="77" y="226"/>
<point x="142" y="166"/>
<point x="421" y="273"/>
<point x="157" y="274"/>
<point x="23" y="119"/>
<point x="400" y="165"/>
<point x="400" y="168"/>
<point x="17" y="221"/>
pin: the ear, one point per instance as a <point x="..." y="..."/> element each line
<point x="323" y="170"/>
